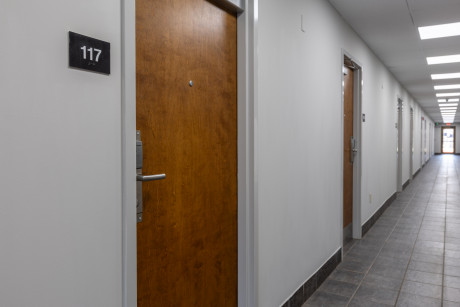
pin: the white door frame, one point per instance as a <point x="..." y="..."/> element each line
<point x="411" y="141"/>
<point x="247" y="101"/>
<point x="399" y="164"/>
<point x="357" y="128"/>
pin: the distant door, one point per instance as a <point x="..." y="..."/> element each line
<point x="411" y="149"/>
<point x="448" y="140"/>
<point x="187" y="116"/>
<point x="399" y="147"/>
<point x="348" y="154"/>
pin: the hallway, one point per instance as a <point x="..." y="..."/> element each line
<point x="410" y="257"/>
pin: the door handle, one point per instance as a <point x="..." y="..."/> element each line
<point x="140" y="177"/>
<point x="354" y="150"/>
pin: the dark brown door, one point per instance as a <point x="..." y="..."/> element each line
<point x="347" y="147"/>
<point x="187" y="115"/>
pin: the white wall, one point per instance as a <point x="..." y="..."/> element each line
<point x="299" y="140"/>
<point x="60" y="158"/>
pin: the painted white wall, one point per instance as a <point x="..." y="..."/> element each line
<point x="298" y="116"/>
<point x="60" y="158"/>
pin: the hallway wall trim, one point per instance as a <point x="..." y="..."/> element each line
<point x="406" y="184"/>
<point x="314" y="282"/>
<point x="370" y="222"/>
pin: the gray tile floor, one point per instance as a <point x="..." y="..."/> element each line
<point x="411" y="256"/>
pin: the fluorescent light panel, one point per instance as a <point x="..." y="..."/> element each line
<point x="447" y="87"/>
<point x="448" y="104"/>
<point x="437" y="31"/>
<point x="447" y="94"/>
<point x="449" y="100"/>
<point x="445" y="76"/>
<point x="454" y="58"/>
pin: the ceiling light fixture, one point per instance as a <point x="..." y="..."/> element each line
<point x="445" y="76"/>
<point x="447" y="94"/>
<point x="437" y="31"/>
<point x="447" y="87"/>
<point x="454" y="58"/>
<point x="448" y="104"/>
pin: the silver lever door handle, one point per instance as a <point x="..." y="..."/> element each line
<point x="150" y="177"/>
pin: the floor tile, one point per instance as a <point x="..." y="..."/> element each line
<point x="384" y="271"/>
<point x="358" y="302"/>
<point x="355" y="266"/>
<point x="452" y="270"/>
<point x="427" y="258"/>
<point x="451" y="295"/>
<point x="452" y="281"/>
<point x="424" y="277"/>
<point x="322" y="299"/>
<point x="425" y="267"/>
<point x="411" y="300"/>
<point x="376" y="294"/>
<point x="422" y="289"/>
<point x="450" y="304"/>
<point x="347" y="276"/>
<point x="376" y="281"/>
<point x="338" y="287"/>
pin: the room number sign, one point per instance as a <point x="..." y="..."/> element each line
<point x="89" y="53"/>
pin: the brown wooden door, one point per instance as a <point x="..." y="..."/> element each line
<point x="187" y="241"/>
<point x="347" y="150"/>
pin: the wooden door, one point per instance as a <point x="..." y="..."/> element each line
<point x="347" y="147"/>
<point x="187" y="115"/>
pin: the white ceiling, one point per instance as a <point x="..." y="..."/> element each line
<point x="389" y="27"/>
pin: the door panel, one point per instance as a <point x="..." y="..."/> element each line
<point x="347" y="148"/>
<point x="187" y="241"/>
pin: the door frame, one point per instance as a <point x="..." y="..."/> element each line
<point x="399" y="151"/>
<point x="357" y="132"/>
<point x="247" y="189"/>
<point x="442" y="138"/>
<point x="411" y="144"/>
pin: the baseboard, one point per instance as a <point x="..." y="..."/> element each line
<point x="313" y="283"/>
<point x="416" y="173"/>
<point x="370" y="222"/>
<point x="406" y="184"/>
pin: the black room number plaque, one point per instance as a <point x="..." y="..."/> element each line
<point x="89" y="53"/>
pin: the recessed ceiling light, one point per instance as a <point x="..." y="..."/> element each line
<point x="447" y="94"/>
<point x="447" y="87"/>
<point x="437" y="31"/>
<point x="453" y="100"/>
<point x="448" y="108"/>
<point x="445" y="76"/>
<point x="455" y="58"/>
<point x="448" y="104"/>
